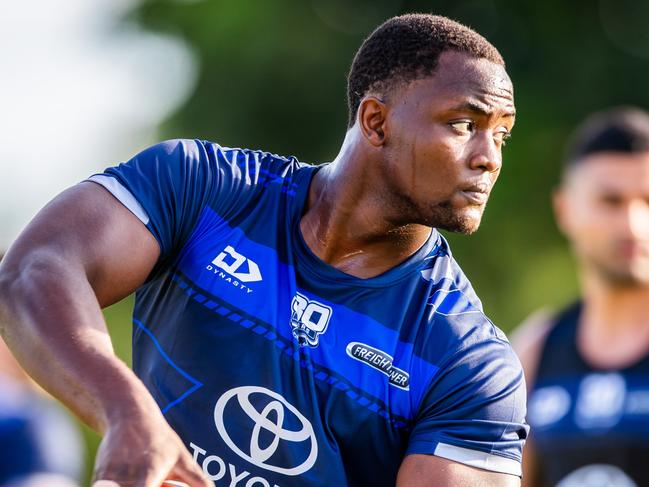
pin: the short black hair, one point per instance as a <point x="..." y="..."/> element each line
<point x="406" y="48"/>
<point x="619" y="129"/>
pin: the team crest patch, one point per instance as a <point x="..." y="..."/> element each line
<point x="309" y="320"/>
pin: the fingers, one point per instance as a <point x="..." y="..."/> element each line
<point x="122" y="474"/>
<point x="126" y="460"/>
<point x="188" y="471"/>
<point x="167" y="483"/>
<point x="147" y="472"/>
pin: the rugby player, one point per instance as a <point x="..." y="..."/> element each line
<point x="294" y="324"/>
<point x="588" y="364"/>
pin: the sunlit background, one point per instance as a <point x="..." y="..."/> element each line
<point x="87" y="83"/>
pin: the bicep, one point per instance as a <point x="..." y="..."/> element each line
<point x="88" y="231"/>
<point x="430" y="471"/>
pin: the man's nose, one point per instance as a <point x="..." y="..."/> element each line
<point x="487" y="156"/>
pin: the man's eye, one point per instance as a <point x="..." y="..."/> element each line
<point x="463" y="126"/>
<point x="611" y="200"/>
<point x="503" y="137"/>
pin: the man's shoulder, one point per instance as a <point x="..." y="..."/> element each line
<point x="204" y="171"/>
<point x="530" y="337"/>
<point x="456" y="317"/>
<point x="200" y="151"/>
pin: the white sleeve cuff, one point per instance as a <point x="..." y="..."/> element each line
<point x="478" y="459"/>
<point x="125" y="197"/>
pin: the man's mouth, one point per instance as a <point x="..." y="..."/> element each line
<point x="477" y="194"/>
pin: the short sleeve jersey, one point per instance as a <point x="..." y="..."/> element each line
<point x="276" y="368"/>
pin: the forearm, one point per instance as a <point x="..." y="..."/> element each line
<point x="52" y="322"/>
<point x="83" y="251"/>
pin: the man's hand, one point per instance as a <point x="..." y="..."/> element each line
<point x="145" y="452"/>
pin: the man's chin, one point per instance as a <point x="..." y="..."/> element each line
<point x="445" y="216"/>
<point x="464" y="224"/>
<point x="626" y="276"/>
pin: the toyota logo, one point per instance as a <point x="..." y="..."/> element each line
<point x="269" y="423"/>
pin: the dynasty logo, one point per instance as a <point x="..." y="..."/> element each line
<point x="235" y="268"/>
<point x="380" y="361"/>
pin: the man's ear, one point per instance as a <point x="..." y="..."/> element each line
<point x="372" y="114"/>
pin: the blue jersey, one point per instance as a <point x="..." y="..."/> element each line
<point x="278" y="369"/>
<point x="36" y="437"/>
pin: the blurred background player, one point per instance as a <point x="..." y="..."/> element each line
<point x="40" y="445"/>
<point x="587" y="367"/>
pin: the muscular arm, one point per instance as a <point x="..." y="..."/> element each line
<point x="84" y="251"/>
<point x="432" y="471"/>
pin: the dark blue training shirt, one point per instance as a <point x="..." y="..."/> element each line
<point x="590" y="424"/>
<point x="278" y="369"/>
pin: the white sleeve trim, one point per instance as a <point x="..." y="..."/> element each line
<point x="125" y="197"/>
<point x="479" y="459"/>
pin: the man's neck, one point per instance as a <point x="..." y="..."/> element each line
<point x="348" y="222"/>
<point x="615" y="305"/>
<point x="614" y="326"/>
